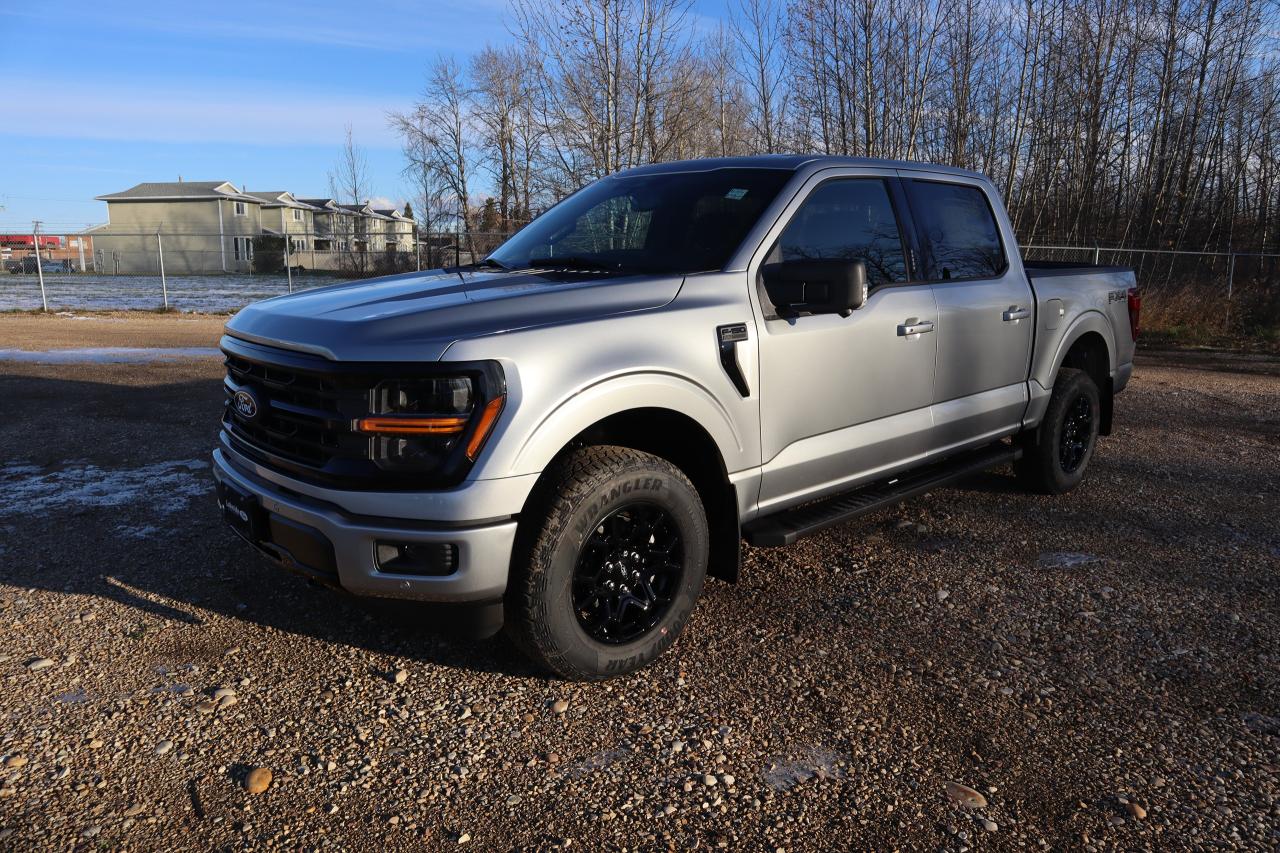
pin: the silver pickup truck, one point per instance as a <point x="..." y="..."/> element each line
<point x="568" y="436"/>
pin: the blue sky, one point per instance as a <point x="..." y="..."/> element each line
<point x="103" y="95"/>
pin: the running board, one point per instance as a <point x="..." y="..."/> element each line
<point x="787" y="526"/>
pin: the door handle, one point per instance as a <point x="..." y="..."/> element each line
<point x="912" y="326"/>
<point x="1014" y="314"/>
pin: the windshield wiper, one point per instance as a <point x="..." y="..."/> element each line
<point x="573" y="262"/>
<point x="490" y="262"/>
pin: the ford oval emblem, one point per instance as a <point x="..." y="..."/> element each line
<point x="245" y="403"/>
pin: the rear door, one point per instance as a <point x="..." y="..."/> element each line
<point x="986" y="310"/>
<point x="843" y="398"/>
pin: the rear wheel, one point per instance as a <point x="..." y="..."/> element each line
<point x="1057" y="453"/>
<point x="612" y="557"/>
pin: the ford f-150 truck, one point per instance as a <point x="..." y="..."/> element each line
<point x="569" y="435"/>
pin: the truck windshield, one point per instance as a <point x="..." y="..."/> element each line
<point x="679" y="222"/>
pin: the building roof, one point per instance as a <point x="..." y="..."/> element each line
<point x="277" y="198"/>
<point x="180" y="191"/>
<point x="326" y="204"/>
<point x="392" y="213"/>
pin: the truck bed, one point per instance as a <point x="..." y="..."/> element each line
<point x="1045" y="269"/>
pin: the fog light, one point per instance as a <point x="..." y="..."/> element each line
<point x="416" y="558"/>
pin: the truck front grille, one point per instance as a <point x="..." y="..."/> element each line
<point x="302" y="417"/>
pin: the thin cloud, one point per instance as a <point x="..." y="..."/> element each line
<point x="143" y="112"/>
<point x="418" y="25"/>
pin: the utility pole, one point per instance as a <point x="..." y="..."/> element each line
<point x="35" y="239"/>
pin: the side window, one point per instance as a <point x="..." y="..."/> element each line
<point x="959" y="230"/>
<point x="849" y="219"/>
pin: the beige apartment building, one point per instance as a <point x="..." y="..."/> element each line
<point x="203" y="227"/>
<point x="210" y="227"/>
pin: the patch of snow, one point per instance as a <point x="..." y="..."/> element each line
<point x="107" y="355"/>
<point x="95" y="291"/>
<point x="1066" y="559"/>
<point x="162" y="489"/>
<point x="141" y="531"/>
<point x="782" y="774"/>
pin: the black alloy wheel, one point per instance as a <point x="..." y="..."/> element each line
<point x="609" y="562"/>
<point x="628" y="573"/>
<point x="1077" y="434"/>
<point x="1056" y="453"/>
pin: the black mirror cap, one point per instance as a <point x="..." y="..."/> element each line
<point x="828" y="286"/>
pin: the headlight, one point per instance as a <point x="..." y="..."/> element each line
<point x="417" y="424"/>
<point x="449" y="396"/>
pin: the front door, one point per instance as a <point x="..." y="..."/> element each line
<point x="844" y="399"/>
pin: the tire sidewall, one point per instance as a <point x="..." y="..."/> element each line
<point x="1064" y="396"/>
<point x="638" y="485"/>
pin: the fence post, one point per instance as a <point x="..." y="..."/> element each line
<point x="80" y="243"/>
<point x="1097" y="254"/>
<point x="164" y="285"/>
<point x="1231" y="278"/>
<point x="35" y="240"/>
<point x="288" y="270"/>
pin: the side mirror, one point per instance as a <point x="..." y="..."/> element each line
<point x="816" y="287"/>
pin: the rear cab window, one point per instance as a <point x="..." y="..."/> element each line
<point x="961" y="239"/>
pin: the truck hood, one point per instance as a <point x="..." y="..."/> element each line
<point x="416" y="317"/>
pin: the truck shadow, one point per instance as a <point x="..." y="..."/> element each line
<point x="105" y="492"/>
<point x="120" y="506"/>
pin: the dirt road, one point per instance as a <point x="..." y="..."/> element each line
<point x="1103" y="668"/>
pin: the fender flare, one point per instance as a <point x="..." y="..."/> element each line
<point x="1041" y="386"/>
<point x="1091" y="320"/>
<point x="619" y="393"/>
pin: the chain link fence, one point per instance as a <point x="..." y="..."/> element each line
<point x="143" y="266"/>
<point x="105" y="267"/>
<point x="1185" y="289"/>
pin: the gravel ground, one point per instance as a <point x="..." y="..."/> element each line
<point x="1098" y="670"/>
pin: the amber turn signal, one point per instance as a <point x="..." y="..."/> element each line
<point x="488" y="418"/>
<point x="412" y="425"/>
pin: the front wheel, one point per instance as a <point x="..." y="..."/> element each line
<point x="610" y="563"/>
<point x="1055" y="456"/>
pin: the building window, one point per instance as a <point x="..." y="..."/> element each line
<point x="297" y="215"/>
<point x="240" y="208"/>
<point x="242" y="248"/>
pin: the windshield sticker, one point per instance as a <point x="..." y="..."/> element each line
<point x="736" y="194"/>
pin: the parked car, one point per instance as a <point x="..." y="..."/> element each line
<point x="570" y="435"/>
<point x="27" y="265"/>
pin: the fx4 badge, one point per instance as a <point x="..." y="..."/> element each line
<point x="245" y="403"/>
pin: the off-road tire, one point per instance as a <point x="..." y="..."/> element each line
<point x="580" y="490"/>
<point x="1041" y="468"/>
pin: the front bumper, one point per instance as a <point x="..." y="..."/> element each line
<point x="298" y="526"/>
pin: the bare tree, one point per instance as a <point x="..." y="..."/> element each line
<point x="349" y="184"/>
<point x="1130" y="121"/>
<point x="757" y="28"/>
<point x="438" y="133"/>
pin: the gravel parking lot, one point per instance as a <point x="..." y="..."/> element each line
<point x="1099" y="670"/>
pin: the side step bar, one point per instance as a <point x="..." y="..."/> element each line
<point x="787" y="526"/>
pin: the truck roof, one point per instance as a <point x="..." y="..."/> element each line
<point x="790" y="162"/>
